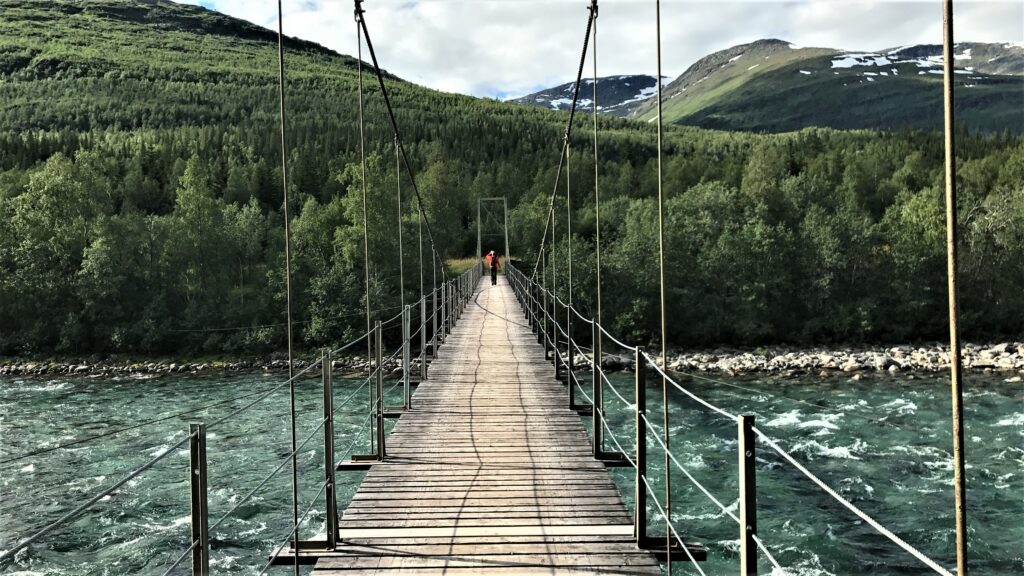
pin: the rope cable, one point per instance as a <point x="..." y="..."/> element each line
<point x="850" y="506"/>
<point x="89" y="503"/>
<point x="670" y="527"/>
<point x="703" y="402"/>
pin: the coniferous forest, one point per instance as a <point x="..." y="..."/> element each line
<point x="141" y="203"/>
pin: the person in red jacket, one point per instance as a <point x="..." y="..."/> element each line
<point x="493" y="262"/>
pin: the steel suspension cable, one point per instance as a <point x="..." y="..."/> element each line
<point x="287" y="268"/>
<point x="565" y="140"/>
<point x="661" y="285"/>
<point x="597" y="194"/>
<point x="952" y="235"/>
<point x="362" y="179"/>
<point x="423" y="295"/>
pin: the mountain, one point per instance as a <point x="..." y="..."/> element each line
<point x="773" y="86"/>
<point x="616" y="95"/>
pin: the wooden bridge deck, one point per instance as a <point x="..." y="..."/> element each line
<point x="490" y="472"/>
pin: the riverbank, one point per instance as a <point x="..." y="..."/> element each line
<point x="1005" y="357"/>
<point x="116" y="366"/>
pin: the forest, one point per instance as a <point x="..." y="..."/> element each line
<point x="141" y="203"/>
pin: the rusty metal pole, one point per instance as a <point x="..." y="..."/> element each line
<point x="423" y="337"/>
<point x="640" y="500"/>
<point x="407" y="356"/>
<point x="748" y="497"/>
<point x="597" y="390"/>
<point x="379" y="387"/>
<point x="327" y="365"/>
<point x="959" y="477"/>
<point x="197" y="487"/>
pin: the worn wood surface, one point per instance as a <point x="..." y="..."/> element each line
<point x="490" y="471"/>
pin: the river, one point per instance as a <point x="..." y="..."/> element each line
<point x="882" y="442"/>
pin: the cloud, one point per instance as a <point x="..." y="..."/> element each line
<point x="500" y="48"/>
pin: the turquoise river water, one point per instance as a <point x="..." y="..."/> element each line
<point x="882" y="442"/>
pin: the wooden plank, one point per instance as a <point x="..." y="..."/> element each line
<point x="489" y="472"/>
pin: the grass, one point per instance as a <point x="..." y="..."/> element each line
<point x="460" y="265"/>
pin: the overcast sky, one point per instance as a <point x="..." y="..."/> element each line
<point x="508" y="48"/>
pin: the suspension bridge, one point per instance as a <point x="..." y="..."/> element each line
<point x="489" y="467"/>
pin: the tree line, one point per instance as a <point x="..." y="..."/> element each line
<point x="141" y="203"/>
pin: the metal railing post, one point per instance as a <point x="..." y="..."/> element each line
<point x="569" y="365"/>
<point x="423" y="338"/>
<point x="331" y="493"/>
<point x="597" y="390"/>
<point x="748" y="497"/>
<point x="433" y="321"/>
<point x="445" y="292"/>
<point x="640" y="502"/>
<point x="554" y="335"/>
<point x="379" y="404"/>
<point x="197" y="489"/>
<point x="542" y="335"/>
<point x="407" y="354"/>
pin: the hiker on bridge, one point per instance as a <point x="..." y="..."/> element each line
<point x="493" y="262"/>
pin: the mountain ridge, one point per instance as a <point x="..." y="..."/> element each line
<point x="772" y="85"/>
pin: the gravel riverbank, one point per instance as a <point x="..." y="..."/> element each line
<point x="1005" y="358"/>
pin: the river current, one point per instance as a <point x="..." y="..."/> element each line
<point x="884" y="443"/>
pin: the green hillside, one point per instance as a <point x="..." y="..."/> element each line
<point x="769" y="86"/>
<point x="140" y="202"/>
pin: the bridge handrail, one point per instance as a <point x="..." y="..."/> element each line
<point x="78" y="510"/>
<point x="323" y="486"/>
<point x="302" y="518"/>
<point x="821" y="484"/>
<point x="284" y="461"/>
<point x="850" y="506"/>
<point x="671" y="526"/>
<point x="653" y="362"/>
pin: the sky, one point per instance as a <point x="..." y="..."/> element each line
<point x="509" y="48"/>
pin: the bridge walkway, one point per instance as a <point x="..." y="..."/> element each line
<point x="490" y="472"/>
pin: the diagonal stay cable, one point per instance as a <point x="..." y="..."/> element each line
<point x="231" y="415"/>
<point x="764" y="550"/>
<point x="615" y="391"/>
<point x="361" y="21"/>
<point x="284" y="537"/>
<point x="565" y="140"/>
<point x="268" y="477"/>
